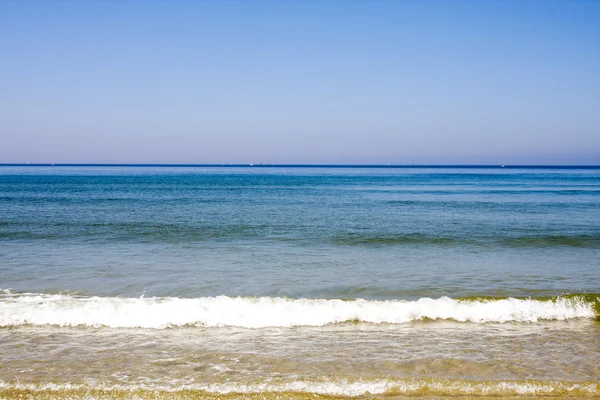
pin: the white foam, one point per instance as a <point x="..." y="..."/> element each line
<point x="345" y="387"/>
<point x="159" y="313"/>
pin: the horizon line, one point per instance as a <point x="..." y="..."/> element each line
<point x="300" y="165"/>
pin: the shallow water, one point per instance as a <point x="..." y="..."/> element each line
<point x="120" y="282"/>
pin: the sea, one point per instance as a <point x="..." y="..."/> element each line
<point x="320" y="282"/>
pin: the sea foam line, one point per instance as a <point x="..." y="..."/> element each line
<point x="342" y="387"/>
<point x="261" y="312"/>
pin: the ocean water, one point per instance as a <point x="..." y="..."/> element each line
<point x="258" y="282"/>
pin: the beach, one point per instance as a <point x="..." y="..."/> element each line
<point x="299" y="282"/>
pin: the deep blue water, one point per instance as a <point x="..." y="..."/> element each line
<point x="360" y="232"/>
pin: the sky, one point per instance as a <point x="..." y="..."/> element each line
<point x="327" y="82"/>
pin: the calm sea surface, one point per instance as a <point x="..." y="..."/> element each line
<point x="185" y="282"/>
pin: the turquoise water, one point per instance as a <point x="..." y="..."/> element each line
<point x="300" y="232"/>
<point x="152" y="282"/>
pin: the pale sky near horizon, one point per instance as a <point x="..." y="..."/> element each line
<point x="400" y="82"/>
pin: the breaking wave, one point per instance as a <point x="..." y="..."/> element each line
<point x="262" y="312"/>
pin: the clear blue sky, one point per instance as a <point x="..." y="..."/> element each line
<point x="300" y="82"/>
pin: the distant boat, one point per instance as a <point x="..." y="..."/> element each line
<point x="502" y="166"/>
